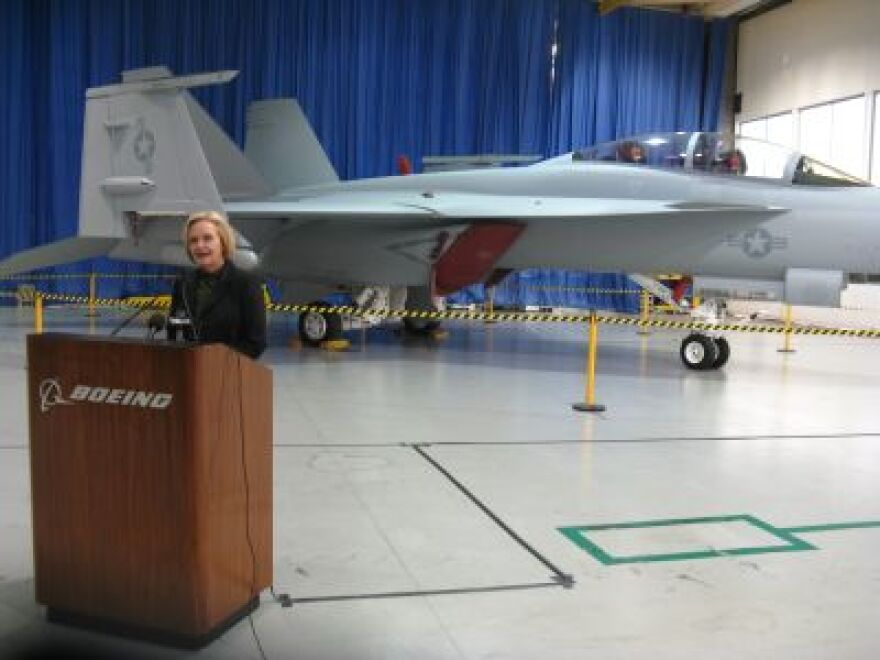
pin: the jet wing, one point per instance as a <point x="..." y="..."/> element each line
<point x="459" y="237"/>
<point x="355" y="206"/>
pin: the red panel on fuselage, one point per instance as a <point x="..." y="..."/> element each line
<point x="472" y="256"/>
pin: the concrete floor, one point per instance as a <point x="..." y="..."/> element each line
<point x="432" y="498"/>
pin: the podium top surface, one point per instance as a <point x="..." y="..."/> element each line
<point x="48" y="339"/>
<point x="107" y="339"/>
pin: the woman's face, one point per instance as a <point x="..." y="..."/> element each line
<point x="205" y="248"/>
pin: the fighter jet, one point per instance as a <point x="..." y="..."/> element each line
<point x="743" y="218"/>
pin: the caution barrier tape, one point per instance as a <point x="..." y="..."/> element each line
<point x="163" y="302"/>
<point x="80" y="276"/>
<point x="546" y="317"/>
<point x="158" y="302"/>
<point x="872" y="333"/>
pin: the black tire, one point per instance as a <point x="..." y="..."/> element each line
<point x="723" y="352"/>
<point x="420" y="327"/>
<point x="318" y="327"/>
<point x="699" y="352"/>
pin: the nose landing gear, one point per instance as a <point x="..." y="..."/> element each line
<point x="703" y="352"/>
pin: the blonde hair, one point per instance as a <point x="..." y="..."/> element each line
<point x="224" y="231"/>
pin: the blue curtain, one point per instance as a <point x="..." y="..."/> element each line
<point x="377" y="78"/>
<point x="17" y="157"/>
<point x="713" y="91"/>
<point x="631" y="72"/>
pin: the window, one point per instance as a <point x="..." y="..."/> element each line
<point x="765" y="160"/>
<point x="875" y="161"/>
<point x="780" y="130"/>
<point x="834" y="133"/>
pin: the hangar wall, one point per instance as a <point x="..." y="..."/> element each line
<point x="807" y="52"/>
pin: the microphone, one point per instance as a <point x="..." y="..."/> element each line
<point x="179" y="320"/>
<point x="156" y="324"/>
<point x="180" y="326"/>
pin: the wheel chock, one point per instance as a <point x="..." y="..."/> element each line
<point x="588" y="407"/>
<point x="336" y="345"/>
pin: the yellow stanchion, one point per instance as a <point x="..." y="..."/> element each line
<point x="786" y="332"/>
<point x="38" y="314"/>
<point x="590" y="404"/>
<point x="644" y="311"/>
<point x="490" y="304"/>
<point x="92" y="295"/>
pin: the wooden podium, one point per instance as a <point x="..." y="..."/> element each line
<point x="151" y="480"/>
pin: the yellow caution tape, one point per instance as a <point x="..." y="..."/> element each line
<point x="545" y="317"/>
<point x="159" y="302"/>
<point x="147" y="301"/>
<point x="162" y="302"/>
<point x="79" y="276"/>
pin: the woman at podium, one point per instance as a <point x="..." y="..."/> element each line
<point x="216" y="302"/>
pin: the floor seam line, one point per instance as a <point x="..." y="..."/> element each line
<point x="563" y="578"/>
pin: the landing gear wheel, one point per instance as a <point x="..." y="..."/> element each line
<point x="420" y="327"/>
<point x="317" y="327"/>
<point x="723" y="352"/>
<point x="699" y="352"/>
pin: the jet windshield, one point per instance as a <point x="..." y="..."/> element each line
<point x="717" y="153"/>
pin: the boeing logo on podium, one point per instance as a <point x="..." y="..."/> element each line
<point x="51" y="394"/>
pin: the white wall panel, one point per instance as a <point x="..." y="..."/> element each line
<point x="808" y="52"/>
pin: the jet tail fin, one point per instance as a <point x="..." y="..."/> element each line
<point x="142" y="154"/>
<point x="235" y="176"/>
<point x="281" y="143"/>
<point x="151" y="155"/>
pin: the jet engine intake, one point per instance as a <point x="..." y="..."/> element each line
<point x="801" y="286"/>
<point x="819" y="288"/>
<point x="738" y="288"/>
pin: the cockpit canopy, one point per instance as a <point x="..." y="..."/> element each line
<point x="719" y="153"/>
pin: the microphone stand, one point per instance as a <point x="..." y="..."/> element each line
<point x="128" y="320"/>
<point x="133" y="316"/>
<point x="155" y="325"/>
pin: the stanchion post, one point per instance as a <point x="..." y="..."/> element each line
<point x="590" y="404"/>
<point x="92" y="294"/>
<point x="490" y="304"/>
<point x="38" y="313"/>
<point x="644" y="310"/>
<point x="786" y="332"/>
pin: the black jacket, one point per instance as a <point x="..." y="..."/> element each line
<point x="234" y="315"/>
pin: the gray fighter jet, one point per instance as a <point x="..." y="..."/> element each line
<point x="744" y="218"/>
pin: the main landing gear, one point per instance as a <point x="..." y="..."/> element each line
<point x="372" y="302"/>
<point x="420" y="298"/>
<point x="318" y="327"/>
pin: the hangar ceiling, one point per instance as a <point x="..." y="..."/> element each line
<point x="708" y="8"/>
